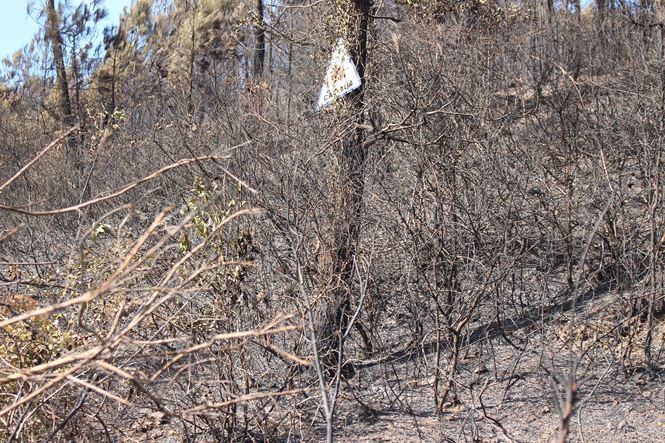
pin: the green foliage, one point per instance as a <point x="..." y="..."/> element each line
<point x="210" y="211"/>
<point x="35" y="341"/>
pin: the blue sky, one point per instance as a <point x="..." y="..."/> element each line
<point x="17" y="28"/>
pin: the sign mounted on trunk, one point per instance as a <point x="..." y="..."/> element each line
<point x="341" y="77"/>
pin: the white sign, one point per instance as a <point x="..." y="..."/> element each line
<point x="341" y="78"/>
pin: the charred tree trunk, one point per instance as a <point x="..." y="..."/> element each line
<point x="192" y="60"/>
<point x="260" y="40"/>
<point x="74" y="153"/>
<point x="111" y="105"/>
<point x="601" y="6"/>
<point x="55" y="39"/>
<point x="657" y="8"/>
<point x="349" y="206"/>
<point x="77" y="87"/>
<point x="578" y="11"/>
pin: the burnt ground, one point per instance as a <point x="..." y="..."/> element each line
<point x="523" y="409"/>
<point x="509" y="387"/>
<point x="507" y="391"/>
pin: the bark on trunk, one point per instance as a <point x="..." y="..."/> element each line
<point x="55" y="39"/>
<point x="349" y="206"/>
<point x="74" y="152"/>
<point x="578" y="11"/>
<point x="260" y="40"/>
<point x="601" y="6"/>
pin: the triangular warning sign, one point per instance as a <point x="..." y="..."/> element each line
<point x="341" y="78"/>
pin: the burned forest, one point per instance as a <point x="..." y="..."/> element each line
<point x="334" y="220"/>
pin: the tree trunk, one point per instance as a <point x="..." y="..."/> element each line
<point x="260" y="40"/>
<point x="55" y="39"/>
<point x="601" y="6"/>
<point x="657" y="8"/>
<point x="192" y="59"/>
<point x="578" y="11"/>
<point x="349" y="206"/>
<point x="74" y="152"/>
<point x="77" y="86"/>
<point x="111" y="105"/>
<point x="550" y="11"/>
